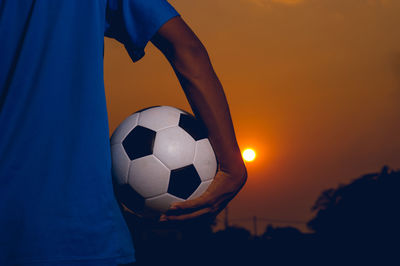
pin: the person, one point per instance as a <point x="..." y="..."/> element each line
<point x="57" y="204"/>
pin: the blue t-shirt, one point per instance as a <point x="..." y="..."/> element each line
<point x="57" y="205"/>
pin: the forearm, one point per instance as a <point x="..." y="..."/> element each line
<point x="208" y="101"/>
<point x="192" y="65"/>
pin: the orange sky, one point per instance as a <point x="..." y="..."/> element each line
<point x="313" y="86"/>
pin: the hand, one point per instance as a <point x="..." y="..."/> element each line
<point x="224" y="187"/>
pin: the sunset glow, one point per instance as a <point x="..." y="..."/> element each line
<point x="312" y="86"/>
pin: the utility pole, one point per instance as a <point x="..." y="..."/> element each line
<point x="255" y="225"/>
<point x="226" y="222"/>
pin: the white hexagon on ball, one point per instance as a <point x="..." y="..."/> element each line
<point x="162" y="202"/>
<point x="149" y="176"/>
<point x="158" y="118"/>
<point x="124" y="128"/>
<point x="204" y="160"/>
<point x="200" y="189"/>
<point x="166" y="107"/>
<point x="120" y="163"/>
<point x="174" y="147"/>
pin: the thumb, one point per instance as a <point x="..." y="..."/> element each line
<point x="188" y="204"/>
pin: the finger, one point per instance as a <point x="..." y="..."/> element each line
<point x="189" y="205"/>
<point x="189" y="216"/>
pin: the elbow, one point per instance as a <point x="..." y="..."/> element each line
<point x="244" y="175"/>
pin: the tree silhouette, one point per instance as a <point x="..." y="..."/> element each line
<point x="360" y="218"/>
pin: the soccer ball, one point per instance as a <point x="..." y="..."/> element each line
<point x="160" y="155"/>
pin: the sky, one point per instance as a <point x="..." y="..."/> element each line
<point x="313" y="86"/>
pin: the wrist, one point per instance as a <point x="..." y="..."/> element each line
<point x="234" y="165"/>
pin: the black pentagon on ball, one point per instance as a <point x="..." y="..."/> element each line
<point x="139" y="142"/>
<point x="183" y="181"/>
<point x="194" y="127"/>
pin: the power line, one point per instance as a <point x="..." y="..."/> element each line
<point x="226" y="222"/>
<point x="255" y="225"/>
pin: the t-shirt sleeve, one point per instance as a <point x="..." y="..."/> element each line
<point x="134" y="22"/>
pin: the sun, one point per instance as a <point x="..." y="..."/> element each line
<point x="249" y="155"/>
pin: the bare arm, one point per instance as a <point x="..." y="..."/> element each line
<point x="192" y="66"/>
